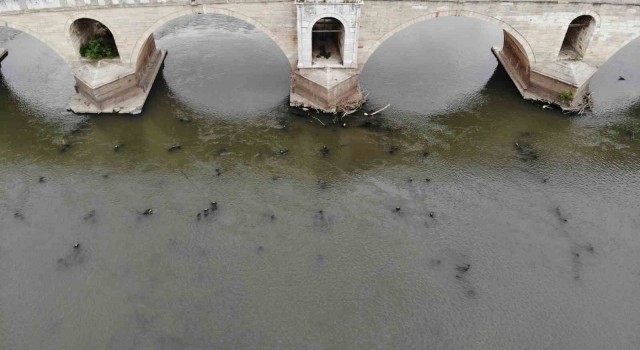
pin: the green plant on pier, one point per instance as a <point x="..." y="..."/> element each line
<point x="566" y="96"/>
<point x="97" y="49"/>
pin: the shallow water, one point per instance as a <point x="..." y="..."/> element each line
<point x="307" y="250"/>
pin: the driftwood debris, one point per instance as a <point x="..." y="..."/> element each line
<point x="378" y="111"/>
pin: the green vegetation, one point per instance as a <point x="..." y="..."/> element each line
<point x="566" y="96"/>
<point x="99" y="48"/>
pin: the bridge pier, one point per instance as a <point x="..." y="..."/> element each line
<point x="3" y="54"/>
<point x="327" y="74"/>
<point x="109" y="87"/>
<point x="563" y="82"/>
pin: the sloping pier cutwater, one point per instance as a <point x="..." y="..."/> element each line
<point x="550" y="50"/>
<point x="3" y="54"/>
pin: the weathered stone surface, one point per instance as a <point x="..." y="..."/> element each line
<point x="327" y="89"/>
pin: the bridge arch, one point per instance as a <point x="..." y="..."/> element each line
<point x="619" y="48"/>
<point x="143" y="40"/>
<point x="513" y="33"/>
<point x="60" y="52"/>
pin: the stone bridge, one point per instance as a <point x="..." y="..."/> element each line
<point x="551" y="49"/>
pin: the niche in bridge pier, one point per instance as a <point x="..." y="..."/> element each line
<point x="577" y="38"/>
<point x="93" y="40"/>
<point x="327" y="42"/>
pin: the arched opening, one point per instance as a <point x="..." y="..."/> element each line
<point x="22" y="87"/>
<point x="327" y="42"/>
<point x="575" y="43"/>
<point x="93" y="40"/>
<point x="219" y="65"/>
<point x="615" y="87"/>
<point x="433" y="65"/>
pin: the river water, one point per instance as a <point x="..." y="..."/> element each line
<point x="500" y="248"/>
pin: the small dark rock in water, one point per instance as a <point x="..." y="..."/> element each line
<point x="392" y="149"/>
<point x="149" y="211"/>
<point x="105" y="176"/>
<point x="458" y="276"/>
<point x="18" y="215"/>
<point x="272" y="217"/>
<point x="324" y="150"/>
<point x="118" y="147"/>
<point x="526" y="151"/>
<point x="199" y="216"/>
<point x="397" y="209"/>
<point x="544" y="181"/>
<point x="631" y="134"/>
<point x="463" y="268"/>
<point x="224" y="151"/>
<point x="621" y="78"/>
<point x="560" y="215"/>
<point x="184" y="120"/>
<point x="432" y="214"/>
<point x="65" y="148"/>
<point x="42" y="179"/>
<point x="214" y="206"/>
<point x="410" y="179"/>
<point x="218" y="172"/>
<point x="590" y="248"/>
<point x="322" y="184"/>
<point x="428" y="180"/>
<point x="73" y="258"/>
<point x="425" y="154"/>
<point x="174" y="148"/>
<point x="283" y="151"/>
<point x="260" y="248"/>
<point x="90" y="215"/>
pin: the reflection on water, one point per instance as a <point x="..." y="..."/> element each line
<point x="422" y="227"/>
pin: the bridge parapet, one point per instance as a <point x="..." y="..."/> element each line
<point x="9" y="6"/>
<point x="324" y="2"/>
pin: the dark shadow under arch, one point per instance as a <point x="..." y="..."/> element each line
<point x="327" y="42"/>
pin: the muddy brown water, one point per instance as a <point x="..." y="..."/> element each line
<point x="501" y="248"/>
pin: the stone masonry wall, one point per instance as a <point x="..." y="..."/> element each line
<point x="131" y="26"/>
<point x="538" y="26"/>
